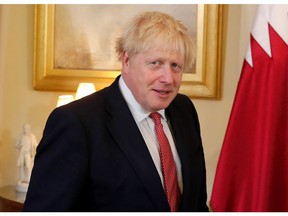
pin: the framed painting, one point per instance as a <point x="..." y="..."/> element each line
<point x="75" y="43"/>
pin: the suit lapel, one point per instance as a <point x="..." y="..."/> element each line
<point x="127" y="135"/>
<point x="178" y="129"/>
<point x="185" y="141"/>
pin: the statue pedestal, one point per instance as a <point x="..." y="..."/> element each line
<point x="10" y="200"/>
<point x="22" y="187"/>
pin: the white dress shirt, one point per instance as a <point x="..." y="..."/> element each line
<point x="146" y="127"/>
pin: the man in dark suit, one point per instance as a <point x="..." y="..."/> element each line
<point x="101" y="153"/>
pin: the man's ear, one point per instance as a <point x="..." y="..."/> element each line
<point x="125" y="59"/>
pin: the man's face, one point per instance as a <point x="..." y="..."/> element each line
<point x="154" y="77"/>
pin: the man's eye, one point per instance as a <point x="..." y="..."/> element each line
<point x="176" y="66"/>
<point x="155" y="63"/>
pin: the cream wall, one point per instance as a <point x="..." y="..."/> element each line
<point x="19" y="103"/>
<point x="214" y="115"/>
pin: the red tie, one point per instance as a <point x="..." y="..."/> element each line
<point x="168" y="165"/>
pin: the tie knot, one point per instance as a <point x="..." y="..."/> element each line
<point x="156" y="117"/>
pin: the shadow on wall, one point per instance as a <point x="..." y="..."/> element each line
<point x="8" y="158"/>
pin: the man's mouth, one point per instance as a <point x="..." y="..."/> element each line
<point x="162" y="92"/>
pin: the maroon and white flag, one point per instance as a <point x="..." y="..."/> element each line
<point x="252" y="171"/>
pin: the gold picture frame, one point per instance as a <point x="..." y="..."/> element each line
<point x="204" y="83"/>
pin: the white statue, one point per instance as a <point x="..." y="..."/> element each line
<point x="26" y="145"/>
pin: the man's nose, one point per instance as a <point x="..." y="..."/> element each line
<point x="167" y="74"/>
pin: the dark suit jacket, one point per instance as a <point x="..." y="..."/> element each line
<point x="92" y="157"/>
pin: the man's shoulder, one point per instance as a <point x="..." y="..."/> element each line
<point x="182" y="99"/>
<point x="182" y="103"/>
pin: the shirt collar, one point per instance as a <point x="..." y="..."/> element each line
<point x="136" y="109"/>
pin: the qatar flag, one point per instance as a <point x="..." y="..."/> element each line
<point x="252" y="171"/>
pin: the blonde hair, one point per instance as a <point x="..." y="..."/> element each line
<point x="160" y="30"/>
